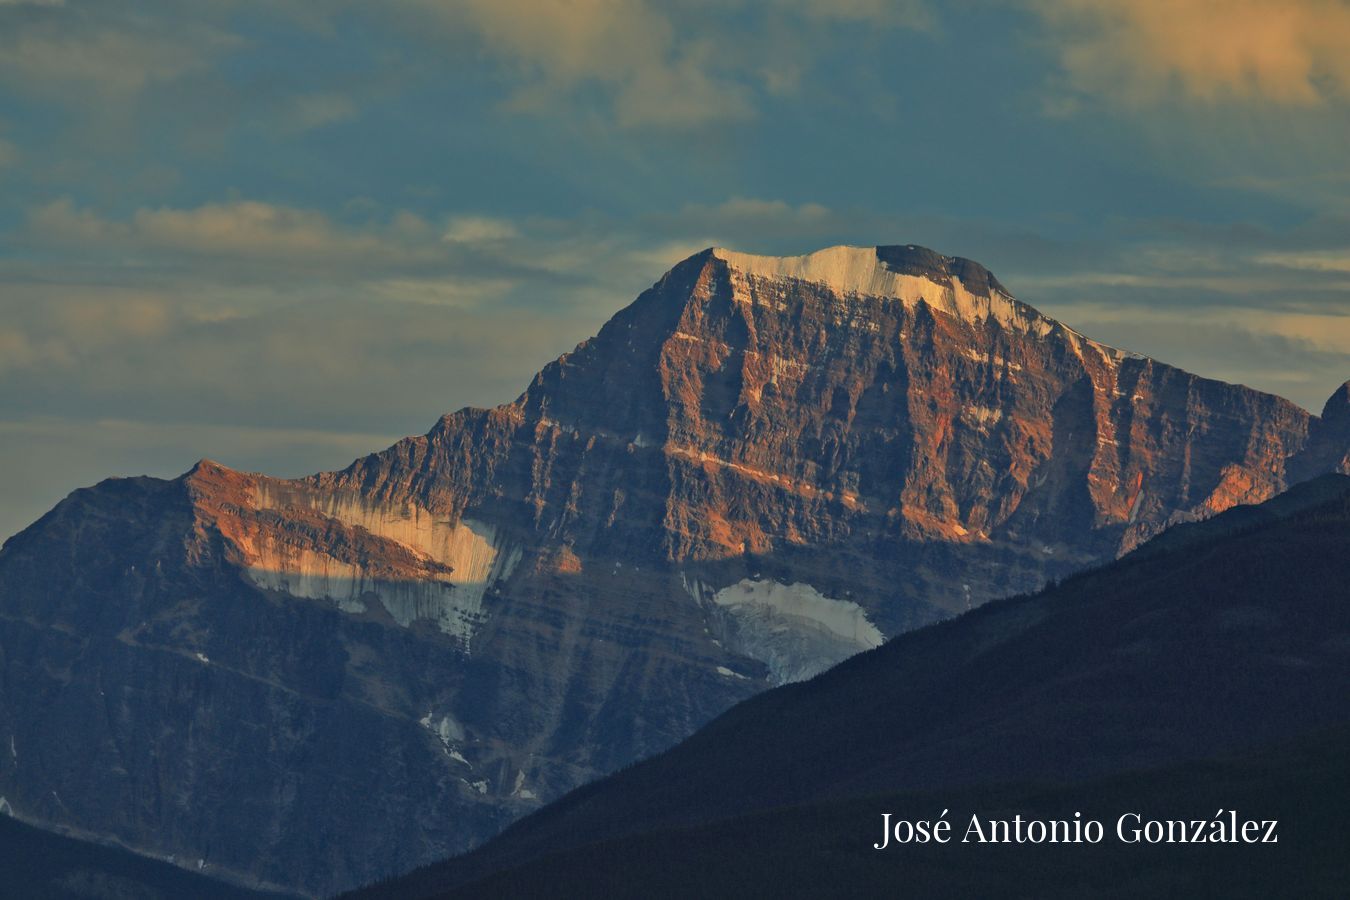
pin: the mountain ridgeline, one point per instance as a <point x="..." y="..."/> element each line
<point x="759" y="468"/>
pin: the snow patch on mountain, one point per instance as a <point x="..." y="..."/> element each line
<point x="473" y="551"/>
<point x="447" y="729"/>
<point x="519" y="790"/>
<point x="793" y="629"/>
<point x="449" y="732"/>
<point x="860" y="271"/>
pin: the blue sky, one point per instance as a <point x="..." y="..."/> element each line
<point x="285" y="233"/>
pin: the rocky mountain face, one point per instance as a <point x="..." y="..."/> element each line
<point x="1329" y="449"/>
<point x="760" y="467"/>
<point x="1143" y="681"/>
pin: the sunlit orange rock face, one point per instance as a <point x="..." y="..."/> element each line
<point x="759" y="467"/>
<point x="737" y="410"/>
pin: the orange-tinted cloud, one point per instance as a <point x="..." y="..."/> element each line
<point x="1292" y="52"/>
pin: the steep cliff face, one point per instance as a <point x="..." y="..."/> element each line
<point x="760" y="467"/>
<point x="855" y="402"/>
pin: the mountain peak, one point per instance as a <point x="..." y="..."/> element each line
<point x="867" y="269"/>
<point x="915" y="260"/>
<point x="1337" y="407"/>
<point x="759" y="466"/>
<point x="906" y="272"/>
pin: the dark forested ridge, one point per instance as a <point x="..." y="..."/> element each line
<point x="1104" y="690"/>
<point x="826" y="849"/>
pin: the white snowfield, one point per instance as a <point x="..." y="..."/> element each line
<point x="793" y="629"/>
<point x="857" y="271"/>
<point x="472" y="550"/>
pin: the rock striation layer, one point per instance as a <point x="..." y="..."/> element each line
<point x="758" y="468"/>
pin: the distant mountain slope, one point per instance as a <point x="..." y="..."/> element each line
<point x="39" y="865"/>
<point x="1237" y="640"/>
<point x="1305" y="495"/>
<point x="760" y="467"/>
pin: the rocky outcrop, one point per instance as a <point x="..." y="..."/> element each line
<point x="1329" y="443"/>
<point x="758" y="468"/>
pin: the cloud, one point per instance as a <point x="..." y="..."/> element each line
<point x="1327" y="261"/>
<point x="587" y="261"/>
<point x="739" y="212"/>
<point x="81" y="57"/>
<point x="239" y="230"/>
<point x="304" y="112"/>
<point x="478" y="230"/>
<point x="324" y="360"/>
<point x="659" y="65"/>
<point x="910" y="13"/>
<point x="58" y="327"/>
<point x="755" y="224"/>
<point x="638" y="64"/>
<point x="17" y="350"/>
<point x="185" y="314"/>
<point x="628" y="46"/>
<point x="586" y="266"/>
<point x="1289" y="52"/>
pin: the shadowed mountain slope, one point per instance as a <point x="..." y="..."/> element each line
<point x="827" y="849"/>
<point x="1236" y="640"/>
<point x="39" y="865"/>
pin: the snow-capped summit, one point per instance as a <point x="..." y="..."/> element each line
<point x="908" y="273"/>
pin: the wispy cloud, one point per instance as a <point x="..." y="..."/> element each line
<point x="1328" y="261"/>
<point x="740" y="216"/>
<point x="909" y="13"/>
<point x="305" y="111"/>
<point x="661" y="65"/>
<point x="86" y="57"/>
<point x="180" y="314"/>
<point x="239" y="231"/>
<point x="630" y="48"/>
<point x="478" y="230"/>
